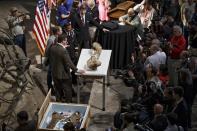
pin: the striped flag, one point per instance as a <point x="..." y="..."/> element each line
<point x="41" y="25"/>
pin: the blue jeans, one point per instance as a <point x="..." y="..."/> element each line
<point x="21" y="42"/>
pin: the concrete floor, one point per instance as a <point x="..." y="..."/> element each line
<point x="114" y="93"/>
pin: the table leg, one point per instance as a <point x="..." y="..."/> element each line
<point x="78" y="91"/>
<point x="103" y="94"/>
<point x="108" y="80"/>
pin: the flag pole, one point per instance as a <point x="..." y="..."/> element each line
<point x="41" y="27"/>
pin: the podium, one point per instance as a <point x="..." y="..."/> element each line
<point x="100" y="73"/>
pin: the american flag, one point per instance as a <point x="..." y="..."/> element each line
<point x="41" y="25"/>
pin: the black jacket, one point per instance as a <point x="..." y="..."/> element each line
<point x="182" y="114"/>
<point x="82" y="29"/>
<point x="60" y="62"/>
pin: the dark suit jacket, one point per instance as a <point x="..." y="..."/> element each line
<point x="94" y="13"/>
<point x="60" y="62"/>
<point x="182" y="114"/>
<point x="82" y="29"/>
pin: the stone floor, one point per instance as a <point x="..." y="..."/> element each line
<point x="114" y="93"/>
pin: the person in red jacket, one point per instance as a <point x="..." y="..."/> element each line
<point x="177" y="43"/>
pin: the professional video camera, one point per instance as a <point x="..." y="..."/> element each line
<point x="142" y="110"/>
<point x="130" y="74"/>
<point x="152" y="92"/>
<point x="136" y="112"/>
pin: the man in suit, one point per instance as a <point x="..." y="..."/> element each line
<point x="180" y="108"/>
<point x="80" y="22"/>
<point x="55" y="32"/>
<point x="61" y="64"/>
<point x="159" y="122"/>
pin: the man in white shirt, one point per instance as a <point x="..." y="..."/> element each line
<point x="131" y="18"/>
<point x="156" y="58"/>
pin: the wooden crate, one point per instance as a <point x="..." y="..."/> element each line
<point x="49" y="107"/>
<point x="120" y="9"/>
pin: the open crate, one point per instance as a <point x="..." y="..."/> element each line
<point x="48" y="108"/>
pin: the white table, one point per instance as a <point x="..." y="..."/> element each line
<point x="101" y="72"/>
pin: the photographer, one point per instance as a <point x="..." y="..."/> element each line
<point x="128" y="122"/>
<point x="193" y="69"/>
<point x="168" y="101"/>
<point x="159" y="122"/>
<point x="15" y="21"/>
<point x="156" y="58"/>
<point x="166" y="24"/>
<point x="172" y="120"/>
<point x="185" y="81"/>
<point x="180" y="108"/>
<point x="177" y="44"/>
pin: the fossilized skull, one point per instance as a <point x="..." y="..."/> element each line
<point x="93" y="62"/>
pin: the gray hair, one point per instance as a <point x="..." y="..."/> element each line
<point x="155" y="42"/>
<point x="178" y="28"/>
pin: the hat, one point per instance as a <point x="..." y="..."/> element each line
<point x="13" y="9"/>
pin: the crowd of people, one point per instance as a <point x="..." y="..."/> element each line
<point x="163" y="66"/>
